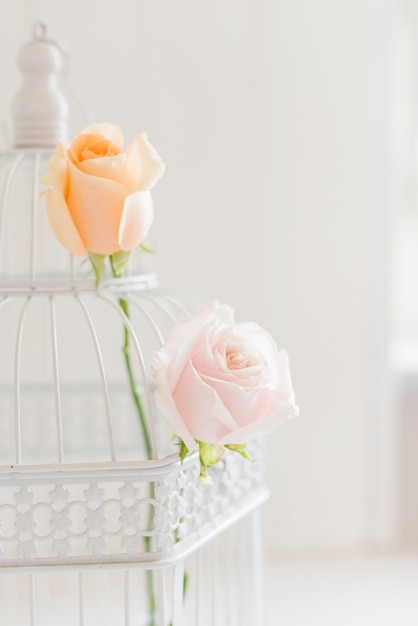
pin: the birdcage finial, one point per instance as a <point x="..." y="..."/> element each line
<point x="40" y="110"/>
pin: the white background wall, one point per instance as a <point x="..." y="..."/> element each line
<point x="275" y="121"/>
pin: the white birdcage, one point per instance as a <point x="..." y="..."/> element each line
<point x="94" y="527"/>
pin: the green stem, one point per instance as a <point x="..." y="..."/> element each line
<point x="134" y="389"/>
<point x="126" y="349"/>
<point x="136" y="396"/>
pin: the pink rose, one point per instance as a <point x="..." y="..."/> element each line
<point x="221" y="383"/>
<point x="99" y="199"/>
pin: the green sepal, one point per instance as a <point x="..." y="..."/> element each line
<point x="183" y="450"/>
<point x="210" y="453"/>
<point x="118" y="261"/>
<point x="145" y="248"/>
<point x="203" y="476"/>
<point x="97" y="261"/>
<point x="241" y="448"/>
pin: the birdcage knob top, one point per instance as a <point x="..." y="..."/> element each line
<point x="40" y="111"/>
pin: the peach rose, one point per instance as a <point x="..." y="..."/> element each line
<point x="99" y="199"/>
<point x="221" y="383"/>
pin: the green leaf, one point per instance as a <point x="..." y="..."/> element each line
<point x="97" y="261"/>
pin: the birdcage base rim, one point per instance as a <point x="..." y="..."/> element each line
<point x="100" y="470"/>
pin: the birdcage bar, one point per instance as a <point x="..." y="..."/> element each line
<point x="57" y="396"/>
<point x="143" y="374"/>
<point x="34" y="209"/>
<point x="17" y="384"/>
<point x="32" y="588"/>
<point x="80" y="603"/>
<point x="14" y="163"/>
<point x="103" y="379"/>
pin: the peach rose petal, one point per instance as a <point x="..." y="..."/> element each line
<point x="109" y="168"/>
<point x="57" y="172"/>
<point x="143" y="162"/>
<point x="96" y="210"/>
<point x="86" y="148"/>
<point x="138" y="168"/>
<point x="136" y="219"/>
<point x="108" y="130"/>
<point x="62" y="223"/>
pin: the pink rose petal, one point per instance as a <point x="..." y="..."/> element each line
<point x="188" y="336"/>
<point x="166" y="405"/>
<point x="262" y="428"/>
<point x="228" y="382"/>
<point x="201" y="408"/>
